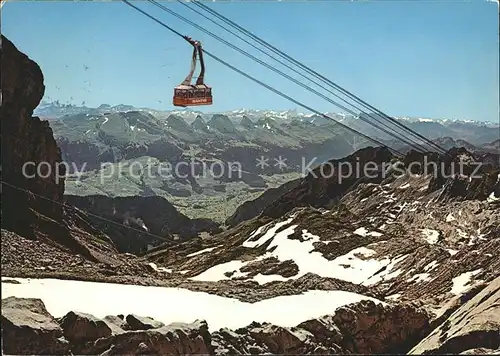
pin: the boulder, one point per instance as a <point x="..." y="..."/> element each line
<point x="81" y="327"/>
<point x="475" y="325"/>
<point x="142" y="323"/>
<point x="29" y="329"/>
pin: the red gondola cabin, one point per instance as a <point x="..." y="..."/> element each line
<point x="187" y="94"/>
<point x="192" y="95"/>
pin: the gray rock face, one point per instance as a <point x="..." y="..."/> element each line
<point x="475" y="325"/>
<point x="142" y="323"/>
<point x="81" y="327"/>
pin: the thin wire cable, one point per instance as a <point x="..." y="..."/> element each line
<point x="317" y="75"/>
<point x="282" y="74"/>
<point x="413" y="143"/>
<point x="284" y="55"/>
<point x="86" y="212"/>
<point x="267" y="86"/>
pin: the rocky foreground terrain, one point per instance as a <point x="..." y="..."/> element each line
<point x="386" y="263"/>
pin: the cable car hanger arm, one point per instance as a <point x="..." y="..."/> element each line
<point x="197" y="48"/>
<point x="189" y="77"/>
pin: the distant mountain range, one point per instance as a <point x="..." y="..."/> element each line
<point x="55" y="109"/>
<point x="124" y="133"/>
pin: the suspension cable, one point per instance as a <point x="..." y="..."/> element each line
<point x="284" y="75"/>
<point x="267" y="86"/>
<point x="317" y="75"/>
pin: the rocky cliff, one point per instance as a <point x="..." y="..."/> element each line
<point x="26" y="140"/>
<point x="32" y="173"/>
<point x="458" y="175"/>
<point x="33" y="182"/>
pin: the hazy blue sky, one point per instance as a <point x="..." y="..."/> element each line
<point x="417" y="58"/>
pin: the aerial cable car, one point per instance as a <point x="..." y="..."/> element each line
<point x="187" y="94"/>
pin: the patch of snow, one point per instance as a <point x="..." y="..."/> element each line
<point x="460" y="283"/>
<point x="363" y="232"/>
<point x="177" y="304"/>
<point x="462" y="234"/>
<point x="105" y="120"/>
<point x="431" y="266"/>
<point x="159" y="269"/>
<point x="266" y="278"/>
<point x="348" y="267"/>
<point x="390" y="199"/>
<point x="400" y="207"/>
<point x="450" y="218"/>
<point x="425" y="120"/>
<point x="269" y="234"/>
<point x="386" y="274"/>
<point x="431" y="236"/>
<point x="132" y="127"/>
<point x="492" y="197"/>
<point x="404" y="186"/>
<point x="474" y="238"/>
<point x="451" y="252"/>
<point x="420" y="277"/>
<point x="202" y="251"/>
<point x="393" y="296"/>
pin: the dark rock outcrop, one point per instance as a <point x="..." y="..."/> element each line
<point x="327" y="183"/>
<point x="459" y="174"/>
<point x="81" y="327"/>
<point x="153" y="220"/>
<point x="27" y="143"/>
<point x="362" y="328"/>
<point x="142" y="323"/>
<point x="253" y="208"/>
<point x="32" y="199"/>
<point x="28" y="328"/>
<point x="475" y="325"/>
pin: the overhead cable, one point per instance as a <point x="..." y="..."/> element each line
<point x="402" y="139"/>
<point x="317" y="75"/>
<point x="265" y="85"/>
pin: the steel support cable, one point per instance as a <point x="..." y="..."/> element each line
<point x="267" y="86"/>
<point x="311" y="71"/>
<point x="399" y="138"/>
<point x="413" y="144"/>
<point x="317" y="75"/>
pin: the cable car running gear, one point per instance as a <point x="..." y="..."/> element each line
<point x="187" y="94"/>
